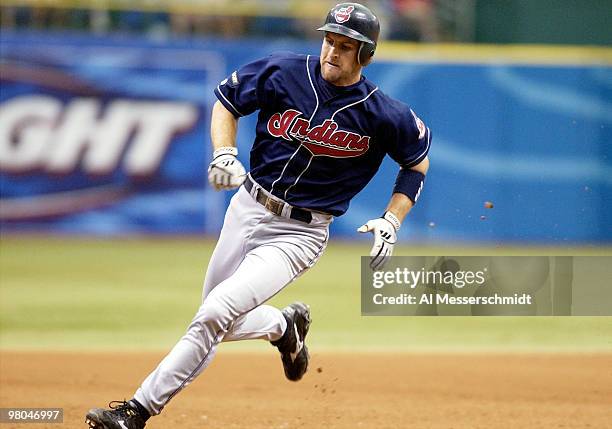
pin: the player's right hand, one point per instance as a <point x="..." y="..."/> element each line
<point x="226" y="171"/>
<point x="385" y="235"/>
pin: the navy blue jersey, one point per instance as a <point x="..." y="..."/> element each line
<point x="317" y="145"/>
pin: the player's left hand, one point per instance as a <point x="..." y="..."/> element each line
<point x="385" y="235"/>
<point x="226" y="171"/>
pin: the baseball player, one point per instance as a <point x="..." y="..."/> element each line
<point x="323" y="130"/>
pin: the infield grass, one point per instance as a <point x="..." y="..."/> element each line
<point x="135" y="294"/>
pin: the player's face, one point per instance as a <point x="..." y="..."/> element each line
<point x="339" y="60"/>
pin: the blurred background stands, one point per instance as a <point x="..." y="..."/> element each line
<point x="413" y="20"/>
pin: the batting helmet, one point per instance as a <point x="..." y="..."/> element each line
<point x="357" y="22"/>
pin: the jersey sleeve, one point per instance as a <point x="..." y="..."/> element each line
<point x="409" y="138"/>
<point x="246" y="89"/>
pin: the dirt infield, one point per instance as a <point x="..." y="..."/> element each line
<point x="340" y="390"/>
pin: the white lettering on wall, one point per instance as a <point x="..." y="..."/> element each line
<point x="39" y="132"/>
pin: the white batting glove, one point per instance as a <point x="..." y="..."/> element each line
<point x="225" y="171"/>
<point x="385" y="235"/>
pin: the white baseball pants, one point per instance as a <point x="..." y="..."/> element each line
<point x="257" y="255"/>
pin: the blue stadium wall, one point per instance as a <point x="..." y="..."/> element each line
<point x="109" y="136"/>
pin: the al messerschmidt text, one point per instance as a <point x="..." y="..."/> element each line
<point x="409" y="299"/>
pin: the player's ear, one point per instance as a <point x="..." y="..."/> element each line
<point x="367" y="61"/>
<point x="364" y="54"/>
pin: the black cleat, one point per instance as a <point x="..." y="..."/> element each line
<point x="291" y="345"/>
<point x="122" y="415"/>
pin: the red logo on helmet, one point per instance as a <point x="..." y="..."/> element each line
<point x="325" y="139"/>
<point x="343" y="14"/>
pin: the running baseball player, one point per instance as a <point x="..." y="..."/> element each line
<point x="323" y="130"/>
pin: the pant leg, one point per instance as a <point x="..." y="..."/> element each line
<point x="278" y="251"/>
<point x="262" y="323"/>
<point x="302" y="245"/>
<point x="241" y="217"/>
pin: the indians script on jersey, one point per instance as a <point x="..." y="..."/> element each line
<point x="324" y="139"/>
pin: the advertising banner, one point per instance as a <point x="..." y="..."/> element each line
<point x="110" y="136"/>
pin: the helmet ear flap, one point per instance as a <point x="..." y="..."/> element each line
<point x="365" y="53"/>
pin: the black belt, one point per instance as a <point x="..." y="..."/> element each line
<point x="276" y="206"/>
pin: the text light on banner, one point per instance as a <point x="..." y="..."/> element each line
<point x="39" y="132"/>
